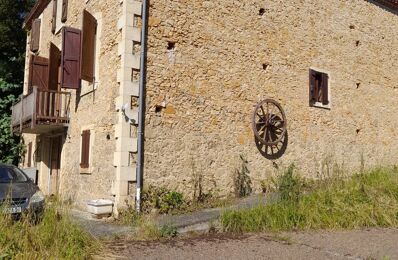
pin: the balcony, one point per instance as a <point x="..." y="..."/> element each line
<point x="41" y="111"/>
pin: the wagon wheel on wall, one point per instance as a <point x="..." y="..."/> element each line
<point x="269" y="122"/>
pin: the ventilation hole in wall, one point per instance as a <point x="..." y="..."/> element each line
<point x="134" y="101"/>
<point x="358" y="85"/>
<point x="137" y="22"/>
<point x="158" y="108"/>
<point x="108" y="137"/>
<point x="135" y="75"/>
<point x="133" y="131"/>
<point x="358" y="130"/>
<point x="171" y="46"/>
<point x="261" y="12"/>
<point x="357" y="43"/>
<point x="265" y="66"/>
<point x="132" y="159"/>
<point x="136" y="47"/>
<point x="352" y="27"/>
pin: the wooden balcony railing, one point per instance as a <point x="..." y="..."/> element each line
<point x="41" y="111"/>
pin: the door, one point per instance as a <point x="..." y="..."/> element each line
<point x="55" y="159"/>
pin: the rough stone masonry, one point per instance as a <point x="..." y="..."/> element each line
<point x="210" y="62"/>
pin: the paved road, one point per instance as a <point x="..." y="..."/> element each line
<point x="366" y="244"/>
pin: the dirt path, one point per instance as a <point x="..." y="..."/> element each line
<point x="366" y="244"/>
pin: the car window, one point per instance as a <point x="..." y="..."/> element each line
<point x="9" y="174"/>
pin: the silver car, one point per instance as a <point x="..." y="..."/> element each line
<point x="18" y="193"/>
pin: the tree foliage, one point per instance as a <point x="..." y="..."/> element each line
<point x="12" y="49"/>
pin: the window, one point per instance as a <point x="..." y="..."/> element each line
<point x="60" y="14"/>
<point x="319" y="89"/>
<point x="35" y="36"/>
<point x="85" y="149"/>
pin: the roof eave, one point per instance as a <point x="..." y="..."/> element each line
<point x="37" y="9"/>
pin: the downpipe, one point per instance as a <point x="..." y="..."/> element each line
<point x="141" y="106"/>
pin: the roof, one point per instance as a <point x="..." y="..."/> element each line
<point x="34" y="13"/>
<point x="393" y="4"/>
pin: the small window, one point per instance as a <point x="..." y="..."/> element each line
<point x="85" y="149"/>
<point x="319" y="89"/>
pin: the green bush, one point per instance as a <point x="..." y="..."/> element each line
<point x="364" y="200"/>
<point x="162" y="200"/>
<point x="54" y="237"/>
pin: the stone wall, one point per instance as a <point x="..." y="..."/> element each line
<point x="210" y="62"/>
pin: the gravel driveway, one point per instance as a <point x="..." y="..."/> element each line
<point x="365" y="244"/>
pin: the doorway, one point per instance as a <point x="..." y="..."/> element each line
<point x="55" y="164"/>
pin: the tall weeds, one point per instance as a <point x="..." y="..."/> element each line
<point x="369" y="199"/>
<point x="56" y="236"/>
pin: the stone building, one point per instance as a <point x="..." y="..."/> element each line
<point x="331" y="65"/>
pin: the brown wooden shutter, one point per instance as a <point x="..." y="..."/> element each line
<point x="312" y="87"/>
<point x="35" y="35"/>
<point x="38" y="73"/>
<point x="85" y="151"/>
<point x="70" y="58"/>
<point x="64" y="16"/>
<point x="88" y="46"/>
<point x="325" y="89"/>
<point x="29" y="164"/>
<point x="54" y="63"/>
<point x="54" y="19"/>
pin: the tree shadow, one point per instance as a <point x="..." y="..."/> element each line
<point x="273" y="152"/>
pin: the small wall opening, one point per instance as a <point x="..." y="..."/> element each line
<point x="171" y="46"/>
<point x="265" y="66"/>
<point x="136" y="47"/>
<point x="358" y="85"/>
<point x="135" y="75"/>
<point x="352" y="27"/>
<point x="357" y="43"/>
<point x="261" y="12"/>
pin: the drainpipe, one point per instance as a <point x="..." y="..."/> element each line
<point x="141" y="105"/>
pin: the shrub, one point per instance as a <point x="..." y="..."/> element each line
<point x="161" y="199"/>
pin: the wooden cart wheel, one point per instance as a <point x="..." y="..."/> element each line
<point x="269" y="122"/>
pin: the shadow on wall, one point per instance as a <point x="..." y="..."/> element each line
<point x="273" y="152"/>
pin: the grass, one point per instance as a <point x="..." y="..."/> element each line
<point x="364" y="200"/>
<point x="54" y="237"/>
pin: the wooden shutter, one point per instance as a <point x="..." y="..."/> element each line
<point x="70" y="58"/>
<point x="35" y="35"/>
<point x="85" y="149"/>
<point x="325" y="89"/>
<point x="54" y="19"/>
<point x="64" y="16"/>
<point x="88" y="46"/>
<point x="29" y="164"/>
<point x="312" y="86"/>
<point x="54" y="63"/>
<point x="38" y="73"/>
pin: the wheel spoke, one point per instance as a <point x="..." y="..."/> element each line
<point x="265" y="115"/>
